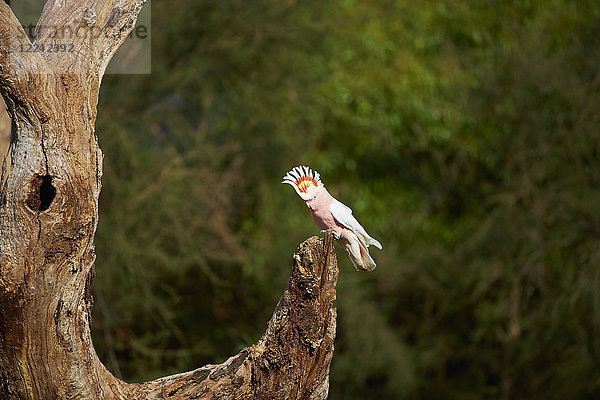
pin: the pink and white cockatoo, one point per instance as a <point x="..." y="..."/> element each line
<point x="329" y="213"/>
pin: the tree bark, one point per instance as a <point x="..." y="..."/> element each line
<point x="4" y="129"/>
<point x="49" y="192"/>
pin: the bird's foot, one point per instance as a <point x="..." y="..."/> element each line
<point x="336" y="235"/>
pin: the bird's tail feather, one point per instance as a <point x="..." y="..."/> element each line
<point x="374" y="242"/>
<point x="366" y="262"/>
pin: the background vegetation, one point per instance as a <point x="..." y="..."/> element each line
<point x="465" y="136"/>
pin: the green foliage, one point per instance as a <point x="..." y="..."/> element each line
<point x="463" y="134"/>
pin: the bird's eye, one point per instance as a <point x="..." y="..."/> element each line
<point x="315" y="196"/>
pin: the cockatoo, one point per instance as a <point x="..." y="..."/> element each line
<point x="329" y="213"/>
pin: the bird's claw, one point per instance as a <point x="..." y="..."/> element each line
<point x="336" y="235"/>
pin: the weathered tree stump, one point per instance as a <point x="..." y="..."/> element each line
<point x="48" y="217"/>
<point x="4" y="130"/>
<point x="292" y="359"/>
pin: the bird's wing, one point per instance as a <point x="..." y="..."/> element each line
<point x="343" y="214"/>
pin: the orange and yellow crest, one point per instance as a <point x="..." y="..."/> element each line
<point x="302" y="179"/>
<point x="306" y="182"/>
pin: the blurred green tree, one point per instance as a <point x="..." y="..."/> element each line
<point x="463" y="134"/>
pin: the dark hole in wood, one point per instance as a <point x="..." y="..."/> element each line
<point x="47" y="192"/>
<point x="41" y="193"/>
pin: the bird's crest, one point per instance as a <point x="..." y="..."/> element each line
<point x="302" y="179"/>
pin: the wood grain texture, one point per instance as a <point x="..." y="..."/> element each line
<point x="49" y="189"/>
<point x="4" y="130"/>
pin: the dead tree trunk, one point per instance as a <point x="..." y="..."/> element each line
<point x="4" y="130"/>
<point x="48" y="216"/>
